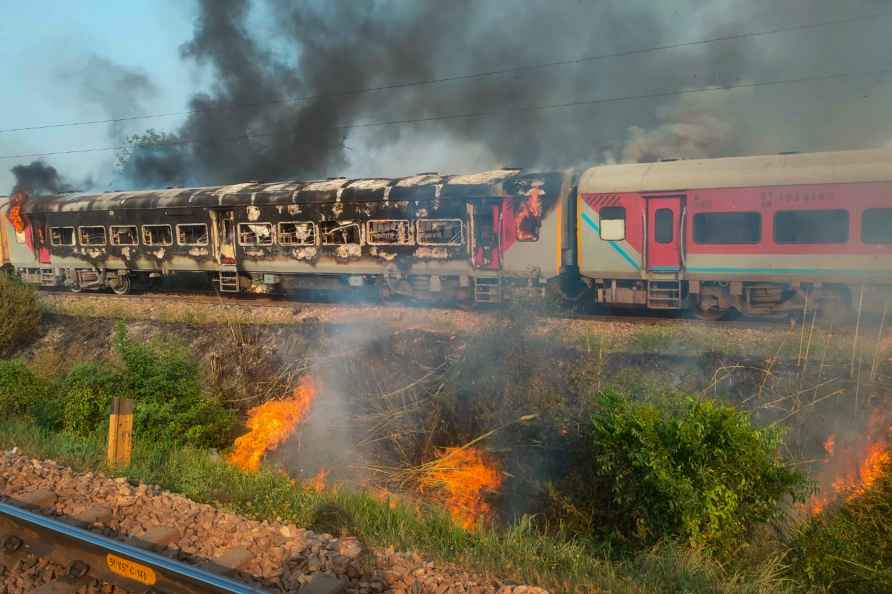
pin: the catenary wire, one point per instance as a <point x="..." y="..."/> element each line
<point x="501" y="112"/>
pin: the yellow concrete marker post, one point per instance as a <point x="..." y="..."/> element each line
<point x="120" y="433"/>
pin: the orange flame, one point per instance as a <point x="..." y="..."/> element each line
<point x="853" y="470"/>
<point x="830" y="444"/>
<point x="462" y="476"/>
<point x="270" y="424"/>
<point x="318" y="482"/>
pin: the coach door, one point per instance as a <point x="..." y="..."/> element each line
<point x="224" y="229"/>
<point x="664" y="241"/>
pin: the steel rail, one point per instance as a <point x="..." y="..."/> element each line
<point x="87" y="555"/>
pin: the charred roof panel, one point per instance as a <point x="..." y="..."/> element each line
<point x="415" y="188"/>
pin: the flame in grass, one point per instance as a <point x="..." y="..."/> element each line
<point x="318" y="482"/>
<point x="852" y="471"/>
<point x="270" y="424"/>
<point x="461" y="477"/>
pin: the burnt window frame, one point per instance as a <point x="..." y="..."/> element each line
<point x="111" y="235"/>
<point x="272" y="234"/>
<point x="461" y="232"/>
<point x="340" y="226"/>
<point x="280" y="234"/>
<point x="601" y="222"/>
<point x="207" y="235"/>
<point x="155" y="244"/>
<point x="405" y="225"/>
<point x="80" y="236"/>
<point x="657" y="226"/>
<point x="864" y="216"/>
<point x="73" y="237"/>
<point x="696" y="217"/>
<point x="848" y="226"/>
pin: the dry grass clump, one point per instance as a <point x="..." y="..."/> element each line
<point x="19" y="314"/>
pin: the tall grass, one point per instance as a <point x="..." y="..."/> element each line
<point x="519" y="553"/>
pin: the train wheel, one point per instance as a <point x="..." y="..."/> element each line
<point x="710" y="314"/>
<point x="122" y="287"/>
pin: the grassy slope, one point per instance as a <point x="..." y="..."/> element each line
<point x="515" y="553"/>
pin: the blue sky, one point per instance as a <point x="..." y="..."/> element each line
<point x="47" y="44"/>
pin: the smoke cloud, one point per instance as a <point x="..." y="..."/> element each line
<point x="284" y="101"/>
<point x="119" y="90"/>
<point x="38" y="178"/>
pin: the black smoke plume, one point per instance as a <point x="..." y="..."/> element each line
<point x="283" y="101"/>
<point x="38" y="178"/>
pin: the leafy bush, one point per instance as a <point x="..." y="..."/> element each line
<point x="848" y="548"/>
<point x="683" y="468"/>
<point x="86" y="394"/>
<point x="19" y="314"/>
<point x="165" y="381"/>
<point x="20" y="389"/>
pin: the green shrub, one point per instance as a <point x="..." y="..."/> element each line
<point x="86" y="393"/>
<point x="171" y="405"/>
<point x="20" y="389"/>
<point x="848" y="548"/>
<point x="19" y="314"/>
<point x="683" y="468"/>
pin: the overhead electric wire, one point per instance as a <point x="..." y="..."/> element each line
<point x="469" y="76"/>
<point x="482" y="114"/>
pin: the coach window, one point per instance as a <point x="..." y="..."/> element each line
<point x="613" y="223"/>
<point x="663" y="227"/>
<point x="727" y="228"/>
<point x="157" y="235"/>
<point x="336" y="233"/>
<point x="192" y="234"/>
<point x="439" y="231"/>
<point x="255" y="234"/>
<point x="811" y="226"/>
<point x="389" y="232"/>
<point x="123" y="235"/>
<point x="297" y="233"/>
<point x="91" y="236"/>
<point x="876" y="225"/>
<point x="61" y="236"/>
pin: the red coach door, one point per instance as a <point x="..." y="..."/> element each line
<point x="664" y="234"/>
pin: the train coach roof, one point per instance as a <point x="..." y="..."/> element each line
<point x="736" y="172"/>
<point x="424" y="186"/>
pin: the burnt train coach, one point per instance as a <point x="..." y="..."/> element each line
<point x="758" y="235"/>
<point x="474" y="237"/>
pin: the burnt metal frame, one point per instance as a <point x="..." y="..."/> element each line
<point x="111" y="235"/>
<point x="281" y="233"/>
<point x="153" y="244"/>
<point x="461" y="232"/>
<point x="207" y="235"/>
<point x="80" y="236"/>
<point x="272" y="234"/>
<point x="73" y="237"/>
<point x="404" y="224"/>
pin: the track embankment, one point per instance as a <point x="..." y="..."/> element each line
<point x="275" y="556"/>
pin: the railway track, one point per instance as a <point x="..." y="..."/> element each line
<point x="287" y="301"/>
<point x="87" y="556"/>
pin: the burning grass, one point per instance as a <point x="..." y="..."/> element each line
<point x="852" y="468"/>
<point x="848" y="546"/>
<point x="270" y="424"/>
<point x="460" y="478"/>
